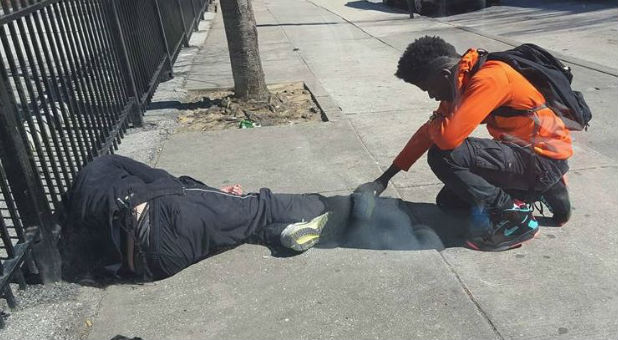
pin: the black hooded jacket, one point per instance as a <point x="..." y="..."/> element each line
<point x="108" y="188"/>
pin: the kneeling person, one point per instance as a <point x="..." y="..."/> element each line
<point x="497" y="178"/>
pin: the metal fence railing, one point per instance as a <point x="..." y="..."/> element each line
<point x="74" y="75"/>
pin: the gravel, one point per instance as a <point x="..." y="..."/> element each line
<point x="56" y="311"/>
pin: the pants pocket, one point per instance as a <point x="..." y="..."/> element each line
<point x="548" y="173"/>
<point x="493" y="157"/>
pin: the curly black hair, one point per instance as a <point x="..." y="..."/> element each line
<point x="419" y="53"/>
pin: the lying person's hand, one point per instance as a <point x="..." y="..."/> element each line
<point x="235" y="189"/>
<point x="375" y="188"/>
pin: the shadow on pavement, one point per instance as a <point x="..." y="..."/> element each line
<point x="572" y="6"/>
<point x="395" y="224"/>
<point x="542" y="16"/>
<point x="367" y="5"/>
<point x="175" y="104"/>
<point x="391" y="224"/>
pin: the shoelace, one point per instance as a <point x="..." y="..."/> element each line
<point x="535" y="205"/>
<point x="542" y="199"/>
<point x="517" y="204"/>
<point x="538" y="206"/>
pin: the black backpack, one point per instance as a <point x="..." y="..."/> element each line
<point x="548" y="75"/>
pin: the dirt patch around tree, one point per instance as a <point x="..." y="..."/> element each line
<point x="289" y="104"/>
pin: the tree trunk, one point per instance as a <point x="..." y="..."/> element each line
<point x="242" y="42"/>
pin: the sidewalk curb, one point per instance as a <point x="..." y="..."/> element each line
<point x="330" y="110"/>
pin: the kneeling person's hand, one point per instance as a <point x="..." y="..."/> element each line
<point x="375" y="188"/>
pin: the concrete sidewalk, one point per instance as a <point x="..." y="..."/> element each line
<point x="559" y="286"/>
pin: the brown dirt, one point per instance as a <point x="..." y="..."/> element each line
<point x="219" y="109"/>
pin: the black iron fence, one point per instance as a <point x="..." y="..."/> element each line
<point x="74" y="75"/>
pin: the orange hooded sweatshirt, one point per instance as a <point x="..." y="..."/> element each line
<point x="494" y="85"/>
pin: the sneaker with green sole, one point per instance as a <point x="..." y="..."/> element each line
<point x="301" y="236"/>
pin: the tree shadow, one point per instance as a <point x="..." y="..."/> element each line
<point x="175" y="104"/>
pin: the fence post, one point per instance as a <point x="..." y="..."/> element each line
<point x="6" y="292"/>
<point x="195" y="16"/>
<point x="185" y="34"/>
<point x="164" y="38"/>
<point x="126" y="62"/>
<point x="27" y="188"/>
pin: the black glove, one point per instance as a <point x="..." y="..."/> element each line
<point x="375" y="188"/>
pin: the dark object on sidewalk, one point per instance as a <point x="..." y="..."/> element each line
<point x="3" y="316"/>
<point x="122" y="337"/>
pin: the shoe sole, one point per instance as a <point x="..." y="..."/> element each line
<point x="305" y="235"/>
<point x="504" y="246"/>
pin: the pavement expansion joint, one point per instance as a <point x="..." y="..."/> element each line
<point x="471" y="297"/>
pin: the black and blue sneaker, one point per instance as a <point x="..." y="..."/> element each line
<point x="510" y="228"/>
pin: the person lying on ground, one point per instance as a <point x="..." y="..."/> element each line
<point x="526" y="159"/>
<point x="149" y="225"/>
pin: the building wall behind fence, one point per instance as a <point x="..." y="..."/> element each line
<point x="78" y="74"/>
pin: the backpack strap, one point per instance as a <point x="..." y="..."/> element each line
<point x="505" y="111"/>
<point x="531" y="171"/>
<point x="483" y="54"/>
